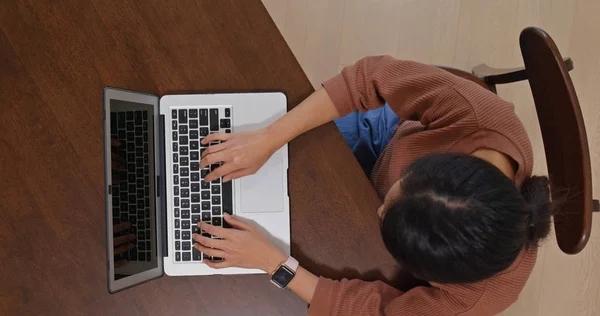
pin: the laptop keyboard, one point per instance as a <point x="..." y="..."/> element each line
<point x="194" y="199"/>
<point x="131" y="197"/>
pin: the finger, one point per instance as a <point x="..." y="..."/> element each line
<point x="214" y="149"/>
<point x="123" y="248"/>
<point x="219" y="172"/>
<point x="114" y="142"/>
<point x="209" y="242"/>
<point x="212" y="159"/>
<point x="217" y="264"/>
<point x="237" y="222"/>
<point x="123" y="239"/>
<point x="121" y="263"/>
<point x="210" y="251"/>
<point x="121" y="227"/>
<point x="215" y="137"/>
<point x="215" y="231"/>
<point x="237" y="174"/>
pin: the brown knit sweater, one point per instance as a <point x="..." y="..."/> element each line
<point x="440" y="113"/>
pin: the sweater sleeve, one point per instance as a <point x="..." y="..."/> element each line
<point x="414" y="91"/>
<point x="356" y="297"/>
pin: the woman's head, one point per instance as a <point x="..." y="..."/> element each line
<point x="454" y="218"/>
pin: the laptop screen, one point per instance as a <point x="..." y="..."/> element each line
<point x="133" y="197"/>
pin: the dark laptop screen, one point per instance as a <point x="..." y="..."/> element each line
<point x="133" y="196"/>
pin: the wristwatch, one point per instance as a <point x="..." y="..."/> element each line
<point x="285" y="273"/>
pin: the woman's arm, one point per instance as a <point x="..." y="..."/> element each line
<point x="244" y="153"/>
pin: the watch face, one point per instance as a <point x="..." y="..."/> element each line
<point x="282" y="276"/>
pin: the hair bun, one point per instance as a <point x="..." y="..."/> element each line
<point x="536" y="193"/>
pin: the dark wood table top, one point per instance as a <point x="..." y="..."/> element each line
<point x="55" y="59"/>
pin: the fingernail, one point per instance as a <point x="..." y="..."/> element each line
<point x="225" y="179"/>
<point x="226" y="215"/>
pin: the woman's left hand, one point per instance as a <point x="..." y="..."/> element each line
<point x="244" y="246"/>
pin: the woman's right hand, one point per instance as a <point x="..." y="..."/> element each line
<point x="242" y="154"/>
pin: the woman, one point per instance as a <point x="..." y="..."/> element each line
<point x="460" y="210"/>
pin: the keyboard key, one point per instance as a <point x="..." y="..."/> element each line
<point x="141" y="235"/>
<point x="148" y="244"/>
<point x="185" y="225"/>
<point x="217" y="180"/>
<point x="174" y="114"/>
<point x="215" y="189"/>
<point x="177" y="245"/>
<point x="193" y="124"/>
<point x="225" y="123"/>
<point x="193" y="113"/>
<point x="176" y="190"/>
<point x="227" y="112"/>
<point x="195" y="208"/>
<point x="193" y="144"/>
<point x="175" y="136"/>
<point x="176" y="212"/>
<point x="186" y="256"/>
<point x="175" y="168"/>
<point x="138" y="117"/>
<point x="177" y="234"/>
<point x="185" y="171"/>
<point x="205" y="216"/>
<point x="175" y="147"/>
<point x="214" y="119"/>
<point x="186" y="245"/>
<point x="228" y="131"/>
<point x="195" y="228"/>
<point x="216" y="210"/>
<point x="195" y="220"/>
<point x="195" y="197"/>
<point x="203" y="173"/>
<point x="214" y="166"/>
<point x="195" y="166"/>
<point x="185" y="193"/>
<point x="183" y="129"/>
<point x="185" y="214"/>
<point x="196" y="255"/>
<point x="185" y="235"/>
<point x="175" y="179"/>
<point x="206" y="195"/>
<point x="206" y="206"/>
<point x="145" y="126"/>
<point x="183" y="150"/>
<point x="195" y="176"/>
<point x="194" y="156"/>
<point x="141" y="245"/>
<point x="203" y="131"/>
<point x="195" y="187"/>
<point x="176" y="223"/>
<point x="185" y="203"/>
<point x="227" y="198"/>
<point x="183" y="116"/>
<point x="216" y="221"/>
<point x="204" y="185"/>
<point x="174" y="125"/>
<point x="206" y="257"/>
<point x="203" y="117"/>
<point x="177" y="254"/>
<point x="183" y="140"/>
<point x="185" y="182"/>
<point x="194" y="134"/>
<point x="183" y="161"/>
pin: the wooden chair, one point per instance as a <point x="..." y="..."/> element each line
<point x="562" y="127"/>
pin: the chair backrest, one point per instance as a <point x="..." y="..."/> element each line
<point x="564" y="136"/>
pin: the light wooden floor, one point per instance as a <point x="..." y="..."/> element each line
<point x="326" y="35"/>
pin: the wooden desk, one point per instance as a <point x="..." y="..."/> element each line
<point x="55" y="59"/>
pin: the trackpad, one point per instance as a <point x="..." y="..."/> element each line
<point x="263" y="192"/>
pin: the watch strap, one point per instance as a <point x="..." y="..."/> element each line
<point x="292" y="263"/>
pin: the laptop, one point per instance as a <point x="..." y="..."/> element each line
<point x="155" y="189"/>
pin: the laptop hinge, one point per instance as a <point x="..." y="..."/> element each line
<point x="162" y="184"/>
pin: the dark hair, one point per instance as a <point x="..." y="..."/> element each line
<point x="459" y="219"/>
